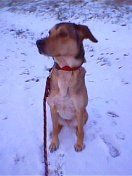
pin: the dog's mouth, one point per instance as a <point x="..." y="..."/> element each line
<point x="40" y="51"/>
<point x="41" y="48"/>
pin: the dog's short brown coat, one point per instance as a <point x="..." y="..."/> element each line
<point x="68" y="97"/>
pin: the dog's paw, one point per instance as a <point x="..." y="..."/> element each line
<point x="79" y="147"/>
<point x="53" y="147"/>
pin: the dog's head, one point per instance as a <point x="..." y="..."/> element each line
<point x="65" y="39"/>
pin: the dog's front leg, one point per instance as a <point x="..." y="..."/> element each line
<point x="79" y="146"/>
<point x="55" y="141"/>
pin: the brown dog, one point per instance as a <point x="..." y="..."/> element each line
<point x="68" y="97"/>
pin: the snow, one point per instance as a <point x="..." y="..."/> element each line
<point x="108" y="133"/>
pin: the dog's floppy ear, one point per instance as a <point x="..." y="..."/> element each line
<point x="85" y="33"/>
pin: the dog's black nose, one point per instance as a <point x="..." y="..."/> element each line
<point x="39" y="43"/>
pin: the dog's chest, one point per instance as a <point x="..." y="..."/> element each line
<point x="65" y="107"/>
<point x="65" y="83"/>
<point x="63" y="98"/>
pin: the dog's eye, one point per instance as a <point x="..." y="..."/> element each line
<point x="63" y="34"/>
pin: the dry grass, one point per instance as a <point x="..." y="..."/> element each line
<point x="63" y="10"/>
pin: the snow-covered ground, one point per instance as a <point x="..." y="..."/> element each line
<point x="108" y="133"/>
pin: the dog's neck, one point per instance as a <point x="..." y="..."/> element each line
<point x="68" y="61"/>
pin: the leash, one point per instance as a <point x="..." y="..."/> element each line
<point x="46" y="94"/>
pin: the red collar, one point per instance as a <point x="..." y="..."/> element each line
<point x="66" y="68"/>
